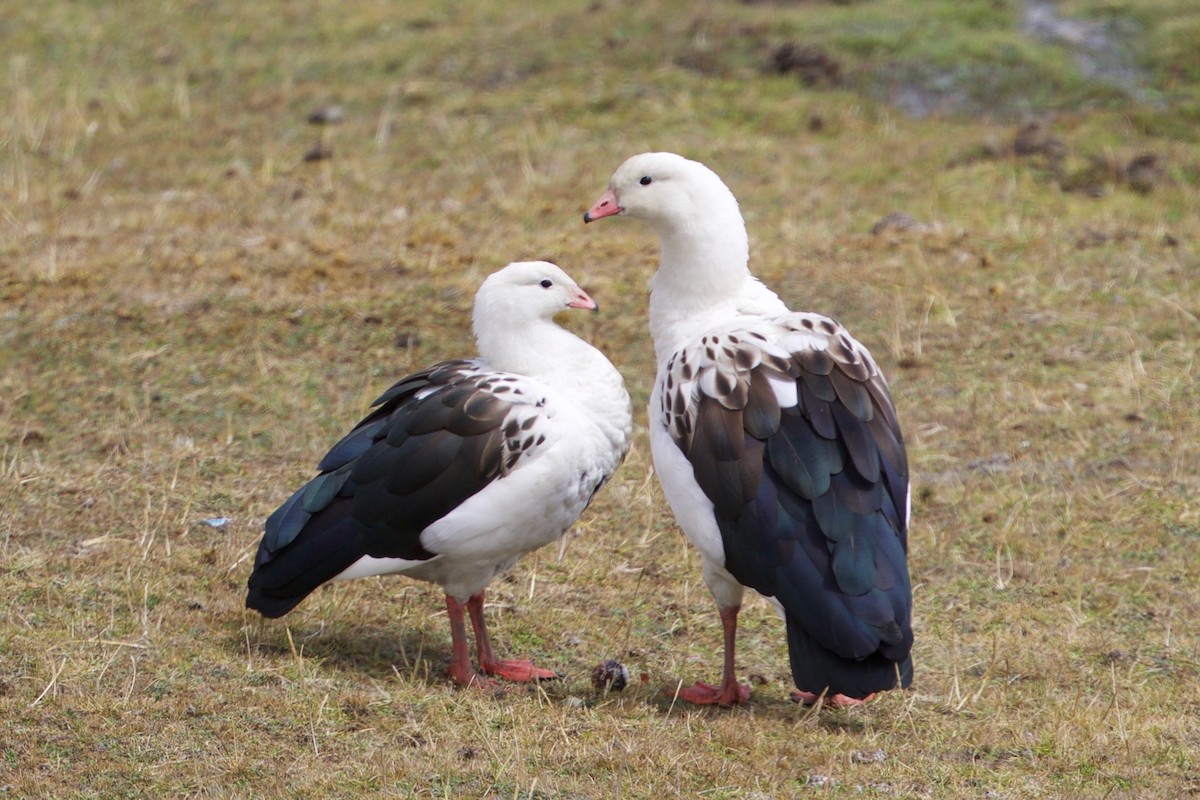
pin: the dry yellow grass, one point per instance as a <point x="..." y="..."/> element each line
<point x="190" y="313"/>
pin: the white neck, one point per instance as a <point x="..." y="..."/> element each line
<point x="537" y="348"/>
<point x="558" y="358"/>
<point x="703" y="276"/>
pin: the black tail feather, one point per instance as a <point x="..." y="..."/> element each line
<point x="327" y="545"/>
<point x="816" y="669"/>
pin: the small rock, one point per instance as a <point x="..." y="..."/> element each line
<point x="1030" y="139"/>
<point x="811" y="63"/>
<point x="897" y="221"/>
<point x="214" y="522"/>
<point x="406" y="340"/>
<point x="326" y="115"/>
<point x="1144" y="173"/>
<point x="612" y="675"/>
<point x="876" y="756"/>
<point x="1034" y="139"/>
<point x="319" y="152"/>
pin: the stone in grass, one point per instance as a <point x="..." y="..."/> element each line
<point x="876" y="756"/>
<point x="326" y="115"/>
<point x="818" y="781"/>
<point x="898" y="221"/>
<point x="1034" y="139"/>
<point x="1145" y="172"/>
<point x="318" y="152"/>
<point x="611" y="675"/>
<point x="814" y="66"/>
<point x="407" y="339"/>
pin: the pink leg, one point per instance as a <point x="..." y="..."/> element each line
<point x="831" y="700"/>
<point x="730" y="692"/>
<point x="461" y="671"/>
<point x="520" y="671"/>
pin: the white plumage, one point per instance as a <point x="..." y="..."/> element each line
<point x="776" y="442"/>
<point x="463" y="467"/>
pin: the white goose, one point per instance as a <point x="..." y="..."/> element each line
<point x="462" y="468"/>
<point x="776" y="442"/>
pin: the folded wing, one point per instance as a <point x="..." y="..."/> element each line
<point x="791" y="433"/>
<point x="435" y="438"/>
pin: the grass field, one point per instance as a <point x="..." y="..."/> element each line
<point x="200" y="291"/>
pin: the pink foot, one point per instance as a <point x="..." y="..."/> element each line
<point x="469" y="678"/>
<point x="833" y="701"/>
<point x="705" y="694"/>
<point x="518" y="671"/>
<point x="477" y="681"/>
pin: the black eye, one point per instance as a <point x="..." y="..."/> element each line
<point x="547" y="283"/>
<point x="646" y="180"/>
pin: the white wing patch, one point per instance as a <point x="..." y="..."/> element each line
<point x="784" y="389"/>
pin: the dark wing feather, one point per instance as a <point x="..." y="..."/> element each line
<point x="433" y="440"/>
<point x="353" y="444"/>
<point x="854" y="433"/>
<point x="820" y="386"/>
<point x="817" y="411"/>
<point x="814" y="362"/>
<point x="799" y="457"/>
<point x="720" y="477"/>
<point x="853" y="394"/>
<point x="319" y="549"/>
<point x="761" y="415"/>
<point x="810" y="500"/>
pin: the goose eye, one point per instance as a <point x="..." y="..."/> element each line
<point x="547" y="283"/>
<point x="646" y="180"/>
